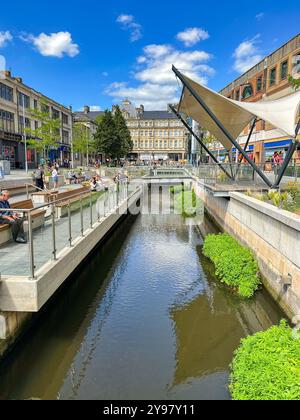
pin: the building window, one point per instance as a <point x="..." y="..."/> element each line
<point x="7" y="121"/>
<point x="24" y="100"/>
<point x="35" y="104"/>
<point x="65" y="136"/>
<point x="284" y="70"/>
<point x="237" y="95"/>
<point x="296" y="64"/>
<point x="65" y="119"/>
<point x="55" y="114"/>
<point x="259" y="84"/>
<point x="273" y="75"/>
<point x="247" y="92"/>
<point x="45" y="109"/>
<point x="6" y="92"/>
<point x="21" y="123"/>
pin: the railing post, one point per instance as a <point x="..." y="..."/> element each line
<point x="31" y="249"/>
<point x="53" y="232"/>
<point x="91" y="210"/>
<point x="70" y="224"/>
<point x="81" y="216"/>
<point x="27" y="191"/>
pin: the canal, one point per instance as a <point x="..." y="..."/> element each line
<point x="144" y="318"/>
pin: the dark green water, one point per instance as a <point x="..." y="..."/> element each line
<point x="143" y="319"/>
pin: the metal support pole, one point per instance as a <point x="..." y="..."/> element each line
<point x="221" y="126"/>
<point x="27" y="191"/>
<point x="70" y="224"/>
<point x="287" y="160"/>
<point x="91" y="210"/>
<point x="246" y="146"/>
<point x="173" y="109"/>
<point x="31" y="249"/>
<point x="81" y="217"/>
<point x="53" y="232"/>
<point x="249" y="138"/>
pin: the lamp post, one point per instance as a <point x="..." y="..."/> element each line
<point x="24" y="132"/>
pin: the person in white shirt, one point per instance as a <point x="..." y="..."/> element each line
<point x="54" y="176"/>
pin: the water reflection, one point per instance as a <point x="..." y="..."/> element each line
<point x="144" y="319"/>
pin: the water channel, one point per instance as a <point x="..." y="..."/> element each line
<point x="144" y="318"/>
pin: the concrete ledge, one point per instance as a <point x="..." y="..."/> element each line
<point x="26" y="295"/>
<point x="290" y="219"/>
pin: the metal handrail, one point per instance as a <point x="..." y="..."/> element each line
<point x="52" y="205"/>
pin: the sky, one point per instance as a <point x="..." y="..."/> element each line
<point x="98" y="53"/>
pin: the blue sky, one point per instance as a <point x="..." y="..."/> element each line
<point x="96" y="53"/>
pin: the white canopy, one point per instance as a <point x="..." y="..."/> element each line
<point x="235" y="116"/>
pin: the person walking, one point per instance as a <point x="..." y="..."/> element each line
<point x="39" y="178"/>
<point x="54" y="176"/>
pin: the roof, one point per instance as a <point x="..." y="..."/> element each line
<point x="90" y="116"/>
<point x="157" y="115"/>
<point x="235" y="116"/>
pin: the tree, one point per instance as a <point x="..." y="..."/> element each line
<point x="47" y="134"/>
<point x="112" y="136"/>
<point x="106" y="136"/>
<point x="83" y="142"/>
<point x="123" y="133"/>
<point x="295" y="83"/>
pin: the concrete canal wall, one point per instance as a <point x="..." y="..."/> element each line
<point x="22" y="297"/>
<point x="271" y="233"/>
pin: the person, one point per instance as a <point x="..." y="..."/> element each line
<point x="39" y="177"/>
<point x="54" y="175"/>
<point x="12" y="219"/>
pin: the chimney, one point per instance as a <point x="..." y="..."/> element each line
<point x="142" y="108"/>
<point x="19" y="79"/>
<point x="7" y="73"/>
<point x="86" y="109"/>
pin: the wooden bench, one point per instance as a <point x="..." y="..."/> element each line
<point x="69" y="197"/>
<point x="38" y="219"/>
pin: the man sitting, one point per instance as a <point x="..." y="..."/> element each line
<point x="10" y="218"/>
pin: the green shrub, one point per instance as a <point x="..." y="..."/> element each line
<point x="235" y="265"/>
<point x="267" y="366"/>
<point x="293" y="188"/>
<point x="187" y="203"/>
<point x="177" y="189"/>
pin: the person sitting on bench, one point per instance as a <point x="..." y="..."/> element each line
<point x="10" y="218"/>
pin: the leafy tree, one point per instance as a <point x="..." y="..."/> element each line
<point x="295" y="83"/>
<point x="106" y="139"/>
<point x="112" y="136"/>
<point x="123" y="133"/>
<point x="47" y="134"/>
<point x="83" y="142"/>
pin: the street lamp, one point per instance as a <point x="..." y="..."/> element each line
<point x="24" y="133"/>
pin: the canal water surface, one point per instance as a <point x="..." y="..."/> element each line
<point x="143" y="319"/>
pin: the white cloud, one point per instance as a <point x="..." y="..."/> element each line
<point x="155" y="83"/>
<point x="5" y="37"/>
<point x="192" y="36"/>
<point x="260" y="16"/>
<point x="104" y="74"/>
<point x="93" y="108"/>
<point x="128" y="23"/>
<point x="54" y="45"/>
<point x="247" y="55"/>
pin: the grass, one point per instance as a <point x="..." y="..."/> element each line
<point x="267" y="366"/>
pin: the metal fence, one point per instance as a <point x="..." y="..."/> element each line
<point x="62" y="222"/>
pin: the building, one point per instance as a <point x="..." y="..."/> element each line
<point x="156" y="135"/>
<point x="87" y="118"/>
<point x="268" y="80"/>
<point x="16" y="102"/>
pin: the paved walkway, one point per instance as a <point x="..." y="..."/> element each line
<point x="15" y="257"/>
